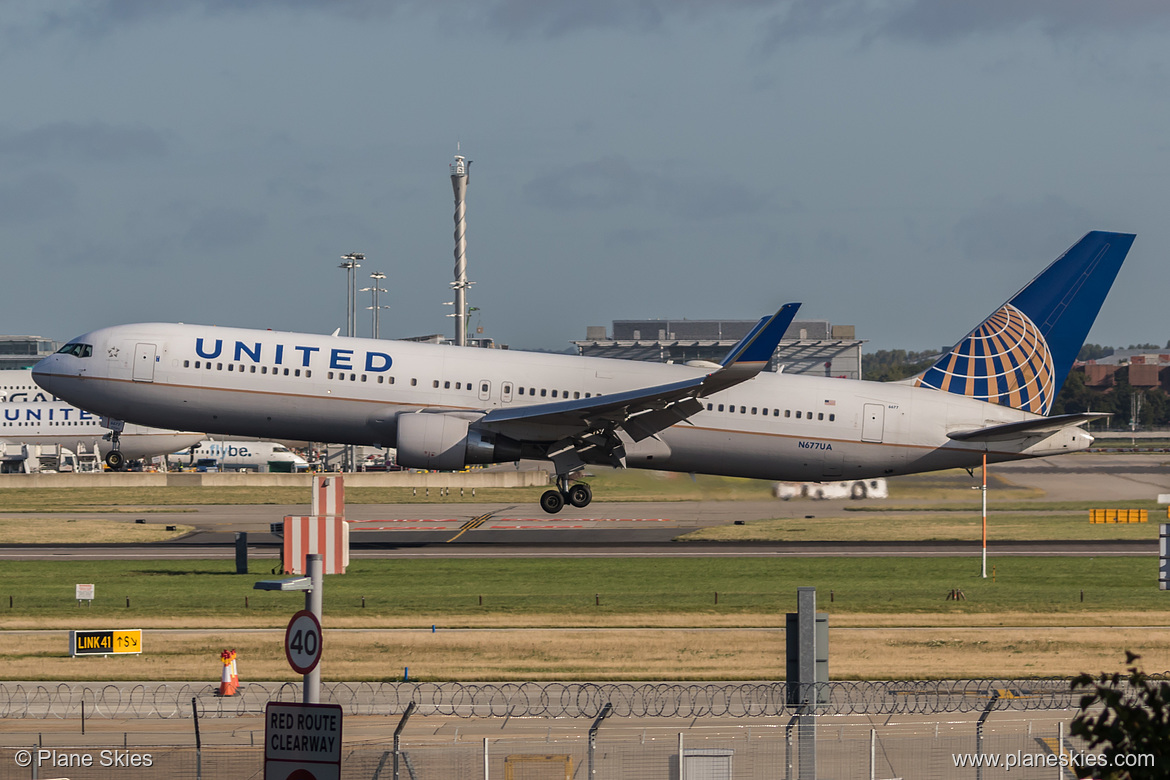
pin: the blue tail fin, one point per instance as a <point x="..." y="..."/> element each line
<point x="1021" y="354"/>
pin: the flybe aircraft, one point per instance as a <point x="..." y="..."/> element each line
<point x="236" y="455"/>
<point x="444" y="407"/>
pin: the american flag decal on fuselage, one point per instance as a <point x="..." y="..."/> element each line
<point x="1004" y="361"/>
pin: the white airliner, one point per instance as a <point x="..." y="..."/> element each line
<point x="17" y="385"/>
<point x="235" y="455"/>
<point x="444" y="407"/>
<point x="56" y="423"/>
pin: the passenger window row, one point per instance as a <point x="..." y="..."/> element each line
<point x="545" y="393"/>
<point x="484" y="389"/>
<point x="276" y="370"/>
<point x="731" y="408"/>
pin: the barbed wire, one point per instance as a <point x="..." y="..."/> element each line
<point x="538" y="699"/>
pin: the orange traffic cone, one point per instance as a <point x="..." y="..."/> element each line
<point x="235" y="674"/>
<point x="226" y="686"/>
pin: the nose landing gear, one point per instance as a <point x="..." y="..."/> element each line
<point x="115" y="460"/>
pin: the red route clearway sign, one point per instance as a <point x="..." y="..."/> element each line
<point x="302" y="741"/>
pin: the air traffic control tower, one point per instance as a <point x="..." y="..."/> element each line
<point x="460" y="175"/>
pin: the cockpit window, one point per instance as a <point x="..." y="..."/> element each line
<point x="77" y="350"/>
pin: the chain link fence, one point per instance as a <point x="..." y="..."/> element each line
<point x="855" y="752"/>
<point x="534" y="700"/>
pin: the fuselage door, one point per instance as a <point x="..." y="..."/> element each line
<point x="144" y="357"/>
<point x="485" y="390"/>
<point x="873" y="422"/>
<point x="506" y="392"/>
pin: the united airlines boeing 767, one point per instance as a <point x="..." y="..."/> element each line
<point x="445" y="407"/>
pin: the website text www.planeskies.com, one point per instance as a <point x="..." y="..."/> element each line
<point x="1070" y="759"/>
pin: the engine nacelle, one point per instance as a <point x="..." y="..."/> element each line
<point x="449" y="442"/>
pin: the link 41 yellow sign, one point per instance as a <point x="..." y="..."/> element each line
<point x="105" y="642"/>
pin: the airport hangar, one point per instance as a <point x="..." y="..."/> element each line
<point x="808" y="347"/>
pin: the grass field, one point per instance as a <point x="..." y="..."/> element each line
<point x="537" y="619"/>
<point x="615" y="485"/>
<point x="934" y="524"/>
<point x="574" y="591"/>
<point x="890" y="617"/>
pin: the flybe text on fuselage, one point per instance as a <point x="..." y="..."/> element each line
<point x="302" y="356"/>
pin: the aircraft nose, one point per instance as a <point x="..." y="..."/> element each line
<point x="45" y="371"/>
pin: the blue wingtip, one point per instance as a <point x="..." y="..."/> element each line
<point x="761" y="341"/>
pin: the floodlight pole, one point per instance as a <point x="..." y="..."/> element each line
<point x="350" y="265"/>
<point x="374" y="289"/>
<point x="984" y="514"/>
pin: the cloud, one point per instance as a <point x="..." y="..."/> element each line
<point x="223" y="228"/>
<point x="590" y="186"/>
<point x="934" y="21"/>
<point x="613" y="182"/>
<point x="1003" y="231"/>
<point x="36" y="197"/>
<point x="552" y="18"/>
<point x="93" y="142"/>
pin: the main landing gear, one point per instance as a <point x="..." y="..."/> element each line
<point x="578" y="495"/>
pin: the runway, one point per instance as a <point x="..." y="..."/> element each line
<point x="620" y="529"/>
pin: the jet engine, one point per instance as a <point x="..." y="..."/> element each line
<point x="449" y="442"/>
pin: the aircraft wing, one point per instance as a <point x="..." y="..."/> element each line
<point x="1038" y="426"/>
<point x="645" y="411"/>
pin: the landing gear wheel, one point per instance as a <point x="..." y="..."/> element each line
<point x="579" y="495"/>
<point x="552" y="501"/>
<point x="115" y="460"/>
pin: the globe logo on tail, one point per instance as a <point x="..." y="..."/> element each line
<point x="1004" y="361"/>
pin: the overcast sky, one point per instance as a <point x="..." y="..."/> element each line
<point x="900" y="165"/>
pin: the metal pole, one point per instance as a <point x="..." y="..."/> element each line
<point x="682" y="764"/>
<point x="198" y="742"/>
<point x="985" y="514"/>
<point x="398" y="735"/>
<point x="374" y="289"/>
<point x="873" y="754"/>
<point x="350" y="265"/>
<point x="806" y="721"/>
<point x="1060" y="746"/>
<point x="605" y="711"/>
<point x="313" y="600"/>
<point x="485" y="758"/>
<point x="991" y="702"/>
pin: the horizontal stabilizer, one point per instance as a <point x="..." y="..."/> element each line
<point x="1039" y="426"/>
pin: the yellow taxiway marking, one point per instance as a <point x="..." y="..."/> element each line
<point x="474" y="522"/>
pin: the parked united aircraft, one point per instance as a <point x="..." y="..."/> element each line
<point x="17" y="385"/>
<point x="444" y="407"/>
<point x="56" y="423"/>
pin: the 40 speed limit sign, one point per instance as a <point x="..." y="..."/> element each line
<point x="302" y="642"/>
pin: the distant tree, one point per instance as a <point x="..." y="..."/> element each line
<point x="1094" y="352"/>
<point x="890" y="365"/>
<point x="1076" y="397"/>
<point x="1143" y="346"/>
<point x="1133" y="720"/>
